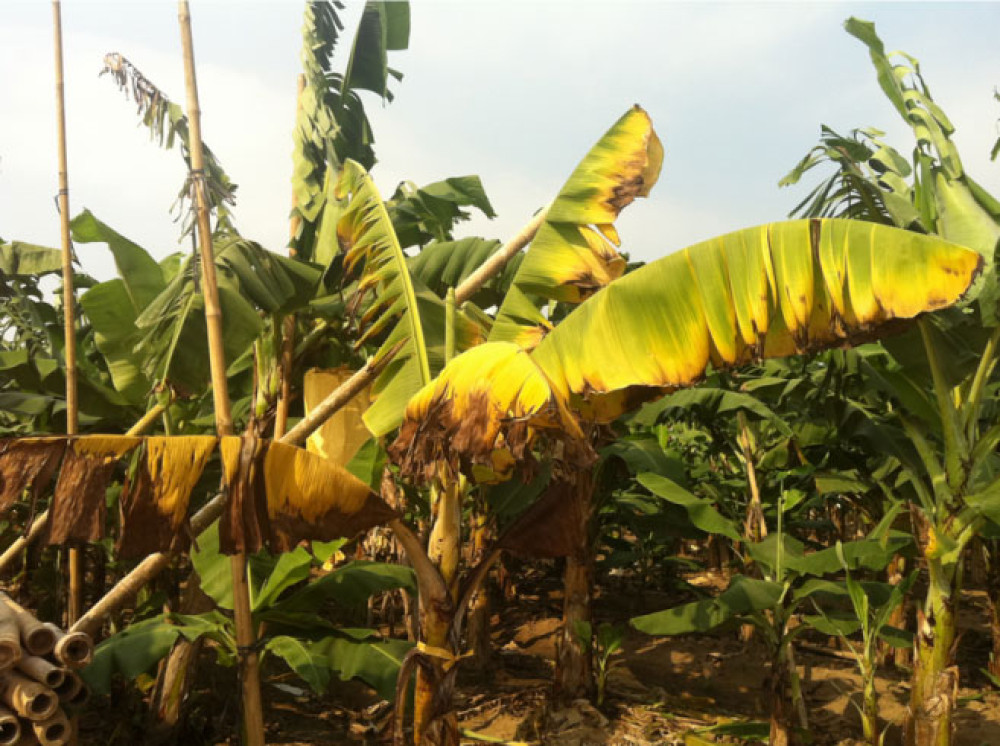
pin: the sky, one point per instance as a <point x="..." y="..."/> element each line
<point x="513" y="91"/>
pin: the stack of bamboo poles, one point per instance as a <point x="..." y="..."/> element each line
<point x="38" y="663"/>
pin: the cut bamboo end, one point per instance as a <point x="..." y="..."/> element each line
<point x="10" y="728"/>
<point x="73" y="649"/>
<point x="42" y="671"/>
<point x="54" y="730"/>
<point x="70" y="688"/>
<point x="36" y="638"/>
<point x="28" y="698"/>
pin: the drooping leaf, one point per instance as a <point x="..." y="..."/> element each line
<point x="280" y="495"/>
<point x="370" y="244"/>
<point x="154" y="504"/>
<point x="722" y="302"/>
<point x="131" y="652"/>
<point x="485" y="408"/>
<point x="359" y="654"/>
<point x="573" y="254"/>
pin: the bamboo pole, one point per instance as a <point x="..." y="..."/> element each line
<point x="495" y="263"/>
<point x="155" y="563"/>
<point x="42" y="671"/>
<point x="249" y="668"/>
<point x="41" y="522"/>
<point x="69" y="302"/>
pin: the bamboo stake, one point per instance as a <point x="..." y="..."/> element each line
<point x="249" y="668"/>
<point x="70" y="687"/>
<point x="155" y="563"/>
<point x="10" y="638"/>
<point x="495" y="263"/>
<point x="69" y="302"/>
<point x="40" y="523"/>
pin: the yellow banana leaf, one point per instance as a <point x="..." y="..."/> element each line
<point x="574" y="252"/>
<point x="770" y="291"/>
<point x="365" y="233"/>
<point x="340" y="437"/>
<point x="280" y="495"/>
<point x="155" y="501"/>
<point x="484" y="409"/>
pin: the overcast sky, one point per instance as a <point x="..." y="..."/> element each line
<point x="513" y="91"/>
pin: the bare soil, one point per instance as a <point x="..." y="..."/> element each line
<point x="660" y="690"/>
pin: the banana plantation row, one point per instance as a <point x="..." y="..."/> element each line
<point x="806" y="408"/>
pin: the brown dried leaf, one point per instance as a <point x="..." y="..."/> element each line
<point x="27" y="463"/>
<point x="78" y="506"/>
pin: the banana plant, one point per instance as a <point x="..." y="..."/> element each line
<point x="947" y="383"/>
<point x="32" y="377"/>
<point x="873" y="605"/>
<point x="771" y="291"/>
<point x="331" y="125"/>
<point x="791" y="577"/>
<point x="283" y="603"/>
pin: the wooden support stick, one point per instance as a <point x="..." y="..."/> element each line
<point x="69" y="301"/>
<point x="249" y="667"/>
<point x="495" y="263"/>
